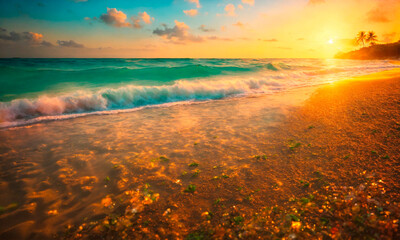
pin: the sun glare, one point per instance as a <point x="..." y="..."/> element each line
<point x="330" y="41"/>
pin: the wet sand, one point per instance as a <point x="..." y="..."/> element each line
<point x="199" y="170"/>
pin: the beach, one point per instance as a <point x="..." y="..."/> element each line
<point x="200" y="120"/>
<point x="206" y="169"/>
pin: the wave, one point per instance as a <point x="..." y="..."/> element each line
<point x="139" y="72"/>
<point x="274" y="78"/>
<point x="17" y="80"/>
<point x="129" y="96"/>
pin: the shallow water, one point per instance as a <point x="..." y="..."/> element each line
<point x="58" y="172"/>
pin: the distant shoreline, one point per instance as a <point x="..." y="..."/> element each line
<point x="374" y="52"/>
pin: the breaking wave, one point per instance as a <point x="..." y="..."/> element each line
<point x="269" y="78"/>
<point x="129" y="96"/>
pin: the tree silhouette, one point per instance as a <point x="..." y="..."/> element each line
<point x="371" y="38"/>
<point x="361" y="37"/>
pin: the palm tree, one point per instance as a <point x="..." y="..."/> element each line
<point x="371" y="38"/>
<point x="361" y="37"/>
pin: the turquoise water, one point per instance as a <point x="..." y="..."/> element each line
<point x="27" y="76"/>
<point x="36" y="89"/>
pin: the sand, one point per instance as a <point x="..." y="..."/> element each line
<point x="341" y="135"/>
<point x="356" y="119"/>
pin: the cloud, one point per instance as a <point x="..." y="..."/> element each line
<point x="204" y="28"/>
<point x="33" y="39"/>
<point x="250" y="2"/>
<point x="115" y="18"/>
<point x="191" y="12"/>
<point x="70" y="43"/>
<point x="314" y="2"/>
<point x="239" y="24"/>
<point x="146" y="17"/>
<point x="178" y="34"/>
<point x="46" y="44"/>
<point x="220" y="39"/>
<point x="196" y="2"/>
<point x="268" y="40"/>
<point x="136" y="22"/>
<point x="300" y="39"/>
<point x="77" y="1"/>
<point x="27" y="37"/>
<point x="240" y="6"/>
<point x="377" y="15"/>
<point x="230" y="10"/>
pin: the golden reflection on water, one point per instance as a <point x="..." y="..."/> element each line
<point x="65" y="172"/>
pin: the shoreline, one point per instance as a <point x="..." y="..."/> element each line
<point x="211" y="178"/>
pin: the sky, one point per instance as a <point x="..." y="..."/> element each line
<point x="192" y="28"/>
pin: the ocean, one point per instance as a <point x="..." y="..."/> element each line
<point x="37" y="90"/>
